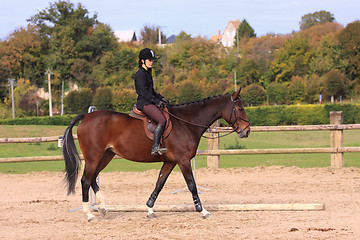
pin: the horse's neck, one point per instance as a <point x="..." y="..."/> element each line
<point x="208" y="113"/>
<point x="203" y="113"/>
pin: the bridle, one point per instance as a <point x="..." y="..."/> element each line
<point x="234" y="125"/>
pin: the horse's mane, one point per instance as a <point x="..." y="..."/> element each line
<point x="204" y="100"/>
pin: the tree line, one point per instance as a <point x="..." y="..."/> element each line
<point x="321" y="59"/>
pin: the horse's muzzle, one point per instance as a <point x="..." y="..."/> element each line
<point x="244" y="134"/>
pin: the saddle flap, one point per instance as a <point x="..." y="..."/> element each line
<point x="149" y="124"/>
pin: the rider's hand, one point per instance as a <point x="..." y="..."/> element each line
<point x="161" y="104"/>
<point x="165" y="100"/>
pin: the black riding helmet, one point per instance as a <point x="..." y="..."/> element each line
<point x="147" y="53"/>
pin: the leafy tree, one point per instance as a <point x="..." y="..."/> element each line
<point x="150" y="35"/>
<point x="124" y="99"/>
<point x="20" y="55"/>
<point x="72" y="36"/>
<point x="25" y="98"/>
<point x="253" y="94"/>
<point x="63" y="13"/>
<point x="314" y="87"/>
<point x="244" y="31"/>
<point x="99" y="39"/>
<point x="291" y="60"/>
<point x="276" y="92"/>
<point x="349" y="41"/>
<point x="183" y="36"/>
<point x="189" y="91"/>
<point x="297" y="90"/>
<point x="326" y="56"/>
<point x="230" y="63"/>
<point x="126" y="58"/>
<point x="193" y="53"/>
<point x="80" y="70"/>
<point x="312" y="19"/>
<point x="263" y="48"/>
<point x="248" y="72"/>
<point x="334" y="83"/>
<point x="78" y="101"/>
<point x="315" y="34"/>
<point x="103" y="98"/>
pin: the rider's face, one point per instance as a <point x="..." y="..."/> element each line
<point x="149" y="63"/>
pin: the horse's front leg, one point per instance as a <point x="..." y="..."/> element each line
<point x="163" y="175"/>
<point x="186" y="170"/>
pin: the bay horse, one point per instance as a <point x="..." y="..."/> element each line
<point x="104" y="134"/>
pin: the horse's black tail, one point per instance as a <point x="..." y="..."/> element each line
<point x="71" y="155"/>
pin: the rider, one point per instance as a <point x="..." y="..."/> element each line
<point x="149" y="101"/>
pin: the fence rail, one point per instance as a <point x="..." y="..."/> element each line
<point x="277" y="151"/>
<point x="292" y="128"/>
<point x="213" y="153"/>
<point x="32" y="139"/>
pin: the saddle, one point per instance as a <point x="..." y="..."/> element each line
<point x="149" y="124"/>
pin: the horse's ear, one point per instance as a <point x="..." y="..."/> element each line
<point x="237" y="94"/>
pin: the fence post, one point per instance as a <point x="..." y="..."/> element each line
<point x="336" y="140"/>
<point x="213" y="161"/>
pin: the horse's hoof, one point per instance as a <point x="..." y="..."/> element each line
<point x="151" y="216"/>
<point x="102" y="211"/>
<point x="206" y="216"/>
<point x="91" y="218"/>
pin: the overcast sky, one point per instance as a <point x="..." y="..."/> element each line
<point x="195" y="17"/>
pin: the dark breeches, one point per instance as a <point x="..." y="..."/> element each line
<point x="154" y="113"/>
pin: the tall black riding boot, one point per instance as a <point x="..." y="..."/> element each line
<point x="158" y="132"/>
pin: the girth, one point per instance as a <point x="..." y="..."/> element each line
<point x="149" y="124"/>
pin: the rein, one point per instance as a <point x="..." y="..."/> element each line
<point x="208" y="127"/>
<point x="190" y="123"/>
<point x="198" y="125"/>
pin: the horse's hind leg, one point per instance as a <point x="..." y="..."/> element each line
<point x="163" y="175"/>
<point x="85" y="185"/>
<point x="186" y="170"/>
<point x="107" y="157"/>
<point x="91" y="171"/>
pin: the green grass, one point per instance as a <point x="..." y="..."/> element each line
<point x="263" y="140"/>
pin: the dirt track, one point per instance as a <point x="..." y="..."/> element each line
<point x="33" y="206"/>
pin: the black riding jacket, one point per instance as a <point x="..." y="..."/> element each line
<point x="144" y="87"/>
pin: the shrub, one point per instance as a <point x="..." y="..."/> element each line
<point x="334" y="83"/>
<point x="78" y="101"/>
<point x="276" y="93"/>
<point x="54" y="120"/>
<point x="103" y="98"/>
<point x="253" y="94"/>
<point x="189" y="91"/>
<point x="300" y="115"/>
<point x="123" y="100"/>
<point x="297" y="90"/>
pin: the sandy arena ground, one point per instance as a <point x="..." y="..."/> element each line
<point x="34" y="206"/>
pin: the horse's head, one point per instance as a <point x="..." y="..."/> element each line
<point x="235" y="115"/>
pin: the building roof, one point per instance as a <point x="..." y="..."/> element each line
<point x="236" y="23"/>
<point x="171" y="39"/>
<point x="216" y="38"/>
<point x="126" y="36"/>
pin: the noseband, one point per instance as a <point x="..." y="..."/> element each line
<point x="235" y="125"/>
